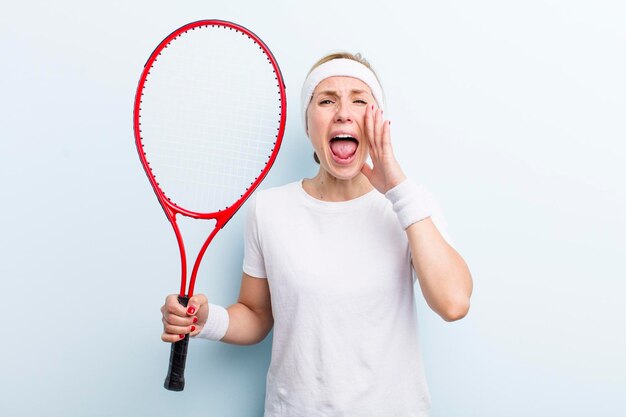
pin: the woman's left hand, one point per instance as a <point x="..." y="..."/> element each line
<point x="385" y="172"/>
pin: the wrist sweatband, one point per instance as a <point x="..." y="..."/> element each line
<point x="216" y="324"/>
<point x="410" y="203"/>
<point x="341" y="67"/>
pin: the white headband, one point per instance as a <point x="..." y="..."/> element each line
<point x="342" y="67"/>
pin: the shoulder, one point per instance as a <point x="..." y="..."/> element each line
<point x="280" y="194"/>
<point x="271" y="198"/>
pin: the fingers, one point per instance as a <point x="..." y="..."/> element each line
<point x="377" y="131"/>
<point x="195" y="303"/>
<point x="386" y="135"/>
<point x="179" y="320"/>
<point x="172" y="306"/>
<point x="195" y="330"/>
<point x="198" y="307"/>
<point x="174" y="333"/>
<point x="369" y="127"/>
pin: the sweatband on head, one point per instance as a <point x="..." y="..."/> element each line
<point x="342" y="67"/>
<point x="409" y="202"/>
<point x="216" y="325"/>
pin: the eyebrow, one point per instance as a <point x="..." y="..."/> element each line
<point x="334" y="92"/>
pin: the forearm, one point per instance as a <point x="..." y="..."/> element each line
<point x="246" y="327"/>
<point x="443" y="275"/>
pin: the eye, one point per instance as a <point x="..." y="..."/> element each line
<point x="360" y="101"/>
<point x="326" y="101"/>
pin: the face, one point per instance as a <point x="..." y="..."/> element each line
<point x="335" y="120"/>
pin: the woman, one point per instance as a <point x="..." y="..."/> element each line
<point x="328" y="262"/>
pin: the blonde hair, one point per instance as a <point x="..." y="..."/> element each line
<point x="342" y="55"/>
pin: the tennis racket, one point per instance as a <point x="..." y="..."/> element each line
<point x="209" y="118"/>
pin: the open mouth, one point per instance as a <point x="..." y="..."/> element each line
<point x="343" y="148"/>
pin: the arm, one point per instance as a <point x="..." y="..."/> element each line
<point x="444" y="277"/>
<point x="249" y="320"/>
<point x="251" y="317"/>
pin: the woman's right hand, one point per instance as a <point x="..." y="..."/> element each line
<point x="179" y="320"/>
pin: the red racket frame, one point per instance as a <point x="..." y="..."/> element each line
<point x="171" y="209"/>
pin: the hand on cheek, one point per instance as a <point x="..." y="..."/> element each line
<point x="385" y="172"/>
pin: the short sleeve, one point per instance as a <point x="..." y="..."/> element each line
<point x="253" y="261"/>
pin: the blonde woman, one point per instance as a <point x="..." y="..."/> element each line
<point x="330" y="263"/>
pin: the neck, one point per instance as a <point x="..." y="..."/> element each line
<point x="328" y="188"/>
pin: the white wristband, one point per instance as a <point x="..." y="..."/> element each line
<point x="216" y="325"/>
<point x="409" y="202"/>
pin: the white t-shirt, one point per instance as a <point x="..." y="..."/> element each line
<point x="345" y="338"/>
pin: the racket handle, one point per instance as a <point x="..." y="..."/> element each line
<point x="175" y="380"/>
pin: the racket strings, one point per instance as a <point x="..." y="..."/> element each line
<point x="210" y="116"/>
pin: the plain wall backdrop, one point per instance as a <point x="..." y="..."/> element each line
<point x="512" y="113"/>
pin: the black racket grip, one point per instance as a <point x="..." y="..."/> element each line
<point x="175" y="380"/>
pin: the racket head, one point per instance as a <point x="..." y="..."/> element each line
<point x="209" y="117"/>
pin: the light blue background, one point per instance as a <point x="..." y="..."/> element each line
<point x="511" y="112"/>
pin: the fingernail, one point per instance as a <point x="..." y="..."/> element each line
<point x="372" y="107"/>
<point x="182" y="336"/>
<point x="191" y="310"/>
<point x="193" y="328"/>
<point x="195" y="319"/>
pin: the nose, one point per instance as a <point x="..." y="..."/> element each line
<point x="344" y="112"/>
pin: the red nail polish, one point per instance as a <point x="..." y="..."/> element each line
<point x="195" y="319"/>
<point x="191" y="310"/>
<point x="193" y="328"/>
<point x="182" y="336"/>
